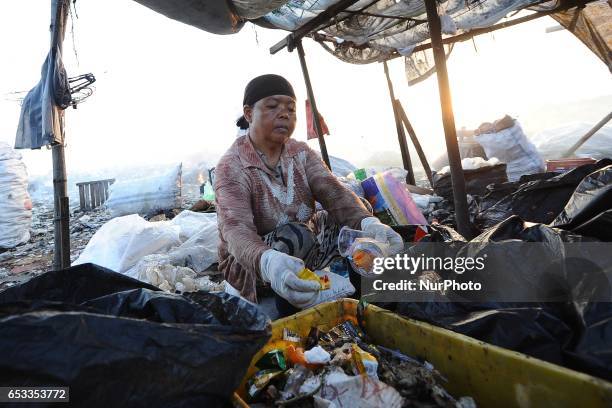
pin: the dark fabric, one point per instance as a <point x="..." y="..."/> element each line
<point x="262" y="87"/>
<point x="214" y="16"/>
<point x="284" y="308"/>
<point x="315" y="244"/>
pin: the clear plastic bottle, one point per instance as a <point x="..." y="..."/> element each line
<point x="361" y="249"/>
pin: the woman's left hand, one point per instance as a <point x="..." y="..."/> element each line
<point x="383" y="233"/>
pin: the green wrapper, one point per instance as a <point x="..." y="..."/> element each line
<point x="273" y="359"/>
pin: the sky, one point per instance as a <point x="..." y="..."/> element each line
<point x="168" y="92"/>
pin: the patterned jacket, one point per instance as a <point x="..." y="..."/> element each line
<point x="252" y="203"/>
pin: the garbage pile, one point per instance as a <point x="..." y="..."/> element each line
<point x="36" y="255"/>
<point x="172" y="255"/>
<point x="570" y="326"/>
<point x="341" y="368"/>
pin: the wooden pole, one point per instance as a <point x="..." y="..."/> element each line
<point x="588" y="135"/>
<point x="401" y="136"/>
<point x="415" y="141"/>
<point x="81" y="196"/>
<point x="448" y="121"/>
<point x="61" y="218"/>
<point x="313" y="104"/>
<point x="87" y="198"/>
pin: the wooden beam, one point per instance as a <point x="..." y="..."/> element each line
<point x="588" y="135"/>
<point x="448" y="121"/>
<point x="292" y="40"/>
<point x="401" y="136"/>
<point x="313" y="105"/>
<point x="61" y="217"/>
<point x="415" y="141"/>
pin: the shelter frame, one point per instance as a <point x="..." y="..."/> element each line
<point x="437" y="46"/>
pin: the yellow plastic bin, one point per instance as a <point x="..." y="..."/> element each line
<point x="493" y="376"/>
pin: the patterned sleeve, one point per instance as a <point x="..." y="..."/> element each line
<point x="235" y="215"/>
<point x="340" y="202"/>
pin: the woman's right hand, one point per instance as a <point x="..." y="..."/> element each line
<point x="280" y="270"/>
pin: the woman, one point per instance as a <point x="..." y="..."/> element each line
<point x="266" y="186"/>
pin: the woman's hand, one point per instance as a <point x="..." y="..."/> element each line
<point x="383" y="233"/>
<point x="281" y="270"/>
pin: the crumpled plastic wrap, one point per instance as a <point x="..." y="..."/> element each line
<point x="158" y="270"/>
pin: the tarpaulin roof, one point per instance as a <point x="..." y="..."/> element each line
<point x="368" y="30"/>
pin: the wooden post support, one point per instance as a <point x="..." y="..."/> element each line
<point x="81" y="196"/>
<point x="401" y="136"/>
<point x="588" y="135"/>
<point x="61" y="254"/>
<point x="415" y="140"/>
<point x="103" y="192"/>
<point x="313" y="104"/>
<point x="87" y="197"/>
<point x="448" y="121"/>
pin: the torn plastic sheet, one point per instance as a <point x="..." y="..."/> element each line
<point x="388" y="34"/>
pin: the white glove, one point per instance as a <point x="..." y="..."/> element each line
<point x="280" y="270"/>
<point x="383" y="233"/>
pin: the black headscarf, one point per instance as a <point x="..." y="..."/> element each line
<point x="262" y="87"/>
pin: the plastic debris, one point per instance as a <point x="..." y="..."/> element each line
<point x="317" y="355"/>
<point x="341" y="369"/>
<point x="307" y="274"/>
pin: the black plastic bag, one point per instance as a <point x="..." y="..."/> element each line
<point x="591" y="199"/>
<point x="476" y="180"/>
<point x="539" y="201"/>
<point x="533" y="329"/>
<point x="496" y="192"/>
<point x="570" y="325"/>
<point x="116" y="341"/>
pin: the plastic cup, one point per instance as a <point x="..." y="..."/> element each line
<point x="346" y="239"/>
<point x="360" y="249"/>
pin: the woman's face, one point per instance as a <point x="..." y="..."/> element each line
<point x="272" y="118"/>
